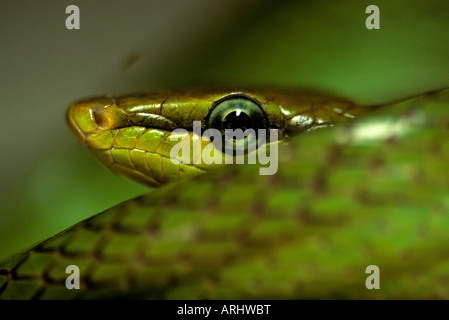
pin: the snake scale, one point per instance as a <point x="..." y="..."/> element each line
<point x="367" y="191"/>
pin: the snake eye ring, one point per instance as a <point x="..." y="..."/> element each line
<point x="240" y="119"/>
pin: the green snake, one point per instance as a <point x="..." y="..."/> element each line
<point x="357" y="192"/>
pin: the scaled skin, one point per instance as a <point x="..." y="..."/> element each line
<point x="130" y="134"/>
<point x="368" y="192"/>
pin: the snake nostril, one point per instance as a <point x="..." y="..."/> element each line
<point x="100" y="118"/>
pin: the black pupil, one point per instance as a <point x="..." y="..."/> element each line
<point x="237" y="120"/>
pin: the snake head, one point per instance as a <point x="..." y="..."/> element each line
<point x="135" y="135"/>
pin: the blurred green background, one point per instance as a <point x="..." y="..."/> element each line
<point x="50" y="182"/>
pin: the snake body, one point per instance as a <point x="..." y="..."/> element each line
<point x="371" y="191"/>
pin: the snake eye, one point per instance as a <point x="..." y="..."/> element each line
<point x="240" y="119"/>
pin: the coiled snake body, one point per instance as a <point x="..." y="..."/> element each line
<point x="366" y="191"/>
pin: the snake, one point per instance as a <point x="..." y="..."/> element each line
<point x="355" y="186"/>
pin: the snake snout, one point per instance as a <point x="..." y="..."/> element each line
<point x="91" y="116"/>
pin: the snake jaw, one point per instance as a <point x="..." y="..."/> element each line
<point x="133" y="143"/>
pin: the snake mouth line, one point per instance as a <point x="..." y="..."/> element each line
<point x="138" y="135"/>
<point x="88" y="118"/>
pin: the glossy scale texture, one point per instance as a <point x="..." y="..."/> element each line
<point x="369" y="192"/>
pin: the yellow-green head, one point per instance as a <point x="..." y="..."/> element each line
<point x="135" y="135"/>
